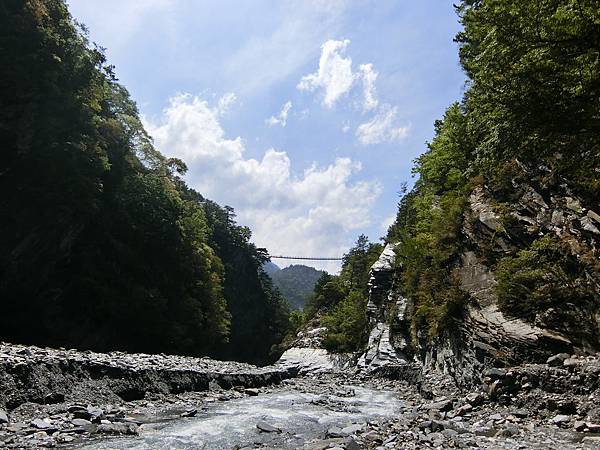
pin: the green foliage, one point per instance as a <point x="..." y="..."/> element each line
<point x="428" y="225"/>
<point x="103" y="246"/>
<point x="533" y="99"/>
<point x="347" y="324"/>
<point x="296" y="283"/>
<point x="357" y="263"/>
<point x="341" y="299"/>
<point x="534" y="93"/>
<point x="543" y="276"/>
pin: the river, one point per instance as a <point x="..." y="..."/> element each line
<point x="302" y="416"/>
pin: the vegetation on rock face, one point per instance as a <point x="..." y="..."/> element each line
<point x="533" y="100"/>
<point x="547" y="285"/>
<point x="102" y="244"/>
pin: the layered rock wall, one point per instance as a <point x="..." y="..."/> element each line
<point x="486" y="336"/>
<point x="45" y="376"/>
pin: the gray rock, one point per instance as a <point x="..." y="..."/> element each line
<point x="593" y="427"/>
<point x="81" y="423"/>
<point x="189" y="412"/>
<point x="442" y="405"/>
<point x="40" y="424"/>
<point x="474" y="398"/>
<point x="507" y="432"/>
<point x="557" y="360"/>
<point x="335" y="432"/>
<point x="3" y="417"/>
<point x="351" y="444"/>
<point x="464" y="409"/>
<point x="351" y="429"/>
<point x="251" y="392"/>
<point x="118" y="429"/>
<point x="95" y="414"/>
<point x="495" y="373"/>
<point x="521" y="413"/>
<point x="267" y="428"/>
<point x="579" y="425"/>
<point x="560" y="419"/>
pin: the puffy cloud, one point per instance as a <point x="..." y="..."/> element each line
<point x="382" y="128"/>
<point x="281" y="118"/>
<point x="334" y="75"/>
<point x="317" y="212"/>
<point x="368" y="76"/>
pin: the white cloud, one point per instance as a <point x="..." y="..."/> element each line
<point x="315" y="213"/>
<point x="334" y="75"/>
<point x="226" y="102"/>
<point x="382" y="128"/>
<point x="281" y="118"/>
<point x="368" y="76"/>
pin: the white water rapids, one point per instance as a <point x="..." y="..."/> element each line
<point x="301" y="417"/>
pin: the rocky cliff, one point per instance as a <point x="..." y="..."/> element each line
<point x="488" y="332"/>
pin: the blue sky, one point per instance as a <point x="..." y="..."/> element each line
<point x="305" y="116"/>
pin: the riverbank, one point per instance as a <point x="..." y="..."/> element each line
<point x="67" y="398"/>
<point x="50" y="397"/>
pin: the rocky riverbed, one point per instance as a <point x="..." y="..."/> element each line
<point x="53" y="398"/>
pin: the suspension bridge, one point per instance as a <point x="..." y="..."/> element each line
<point x="306" y="258"/>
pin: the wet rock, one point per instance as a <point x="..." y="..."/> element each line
<point x="267" y="428"/>
<point x="251" y="392"/>
<point x="3" y="417"/>
<point x="189" y="412"/>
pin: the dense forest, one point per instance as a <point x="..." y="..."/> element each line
<point x="530" y="116"/>
<point x="103" y="246"/>
<point x="339" y="302"/>
<point x="296" y="283"/>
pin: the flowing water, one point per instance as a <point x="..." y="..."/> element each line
<point x="300" y="415"/>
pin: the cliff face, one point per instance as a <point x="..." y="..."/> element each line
<point x="491" y="332"/>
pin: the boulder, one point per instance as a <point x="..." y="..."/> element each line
<point x="267" y="428"/>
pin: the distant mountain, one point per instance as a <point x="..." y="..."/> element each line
<point x="271" y="268"/>
<point x="296" y="283"/>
